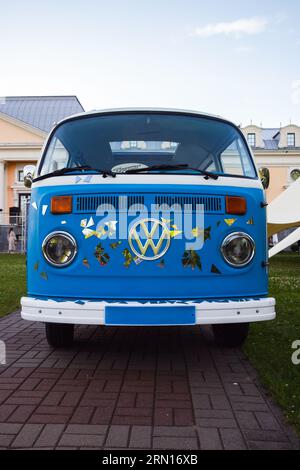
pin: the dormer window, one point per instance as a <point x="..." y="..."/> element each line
<point x="291" y="139"/>
<point x="251" y="138"/>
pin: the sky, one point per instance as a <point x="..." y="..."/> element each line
<point x="236" y="59"/>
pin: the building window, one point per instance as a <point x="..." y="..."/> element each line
<point x="291" y="139"/>
<point x="20" y="176"/>
<point x="251" y="138"/>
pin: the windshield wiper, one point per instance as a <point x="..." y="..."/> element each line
<point x="65" y="171"/>
<point x="165" y="167"/>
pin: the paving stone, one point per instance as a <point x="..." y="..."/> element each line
<point x="140" y="437"/>
<point x="246" y="420"/>
<point x="117" y="436"/>
<point x="175" y="443"/>
<point x="49" y="435"/>
<point x="89" y="440"/>
<point x="10" y="428"/>
<point x="27" y="435"/>
<point x="82" y="414"/>
<point x="163" y="416"/>
<point x="201" y="401"/>
<point x="86" y="429"/>
<point x="216" y="423"/>
<point x="21" y="414"/>
<point x="232" y="439"/>
<point x="174" y="431"/>
<point x="269" y="445"/>
<point x="209" y="439"/>
<point x="267" y="421"/>
<point x="263" y="435"/>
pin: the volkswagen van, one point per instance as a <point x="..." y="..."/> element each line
<point x="146" y="217"/>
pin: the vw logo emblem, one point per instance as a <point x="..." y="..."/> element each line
<point x="149" y="239"/>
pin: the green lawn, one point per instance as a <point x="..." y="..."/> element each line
<point x="12" y="282"/>
<point x="268" y="346"/>
<point x="269" y="343"/>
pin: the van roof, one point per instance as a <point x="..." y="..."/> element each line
<point x="141" y="110"/>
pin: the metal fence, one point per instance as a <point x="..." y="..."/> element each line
<point x="18" y="222"/>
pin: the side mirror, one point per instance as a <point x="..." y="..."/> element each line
<point x="28" y="175"/>
<point x="264" y="175"/>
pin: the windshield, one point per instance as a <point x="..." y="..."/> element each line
<point x="125" y="141"/>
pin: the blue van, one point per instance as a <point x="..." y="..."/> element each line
<point x="146" y="217"/>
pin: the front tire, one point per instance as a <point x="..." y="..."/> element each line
<point x="59" y="335"/>
<point x="231" y="335"/>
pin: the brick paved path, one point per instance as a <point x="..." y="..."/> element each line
<point x="161" y="388"/>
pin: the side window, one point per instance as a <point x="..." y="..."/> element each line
<point x="235" y="161"/>
<point x="57" y="157"/>
<point x="231" y="160"/>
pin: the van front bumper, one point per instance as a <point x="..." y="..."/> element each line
<point x="94" y="312"/>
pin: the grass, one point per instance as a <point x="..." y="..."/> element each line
<point x="269" y="345"/>
<point x="12" y="282"/>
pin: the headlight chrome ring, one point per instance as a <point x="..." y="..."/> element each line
<point x="238" y="249"/>
<point x="59" y="249"/>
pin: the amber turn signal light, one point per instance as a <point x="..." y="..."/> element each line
<point x="61" y="204"/>
<point x="236" y="205"/>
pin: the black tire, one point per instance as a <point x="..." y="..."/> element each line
<point x="231" y="335"/>
<point x="59" y="335"/>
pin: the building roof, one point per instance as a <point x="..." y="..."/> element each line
<point x="270" y="144"/>
<point x="40" y="112"/>
<point x="270" y="133"/>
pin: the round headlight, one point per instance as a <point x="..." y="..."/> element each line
<point x="59" y="248"/>
<point x="238" y="249"/>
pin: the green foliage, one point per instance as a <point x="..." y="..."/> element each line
<point x="12" y="282"/>
<point x="269" y="345"/>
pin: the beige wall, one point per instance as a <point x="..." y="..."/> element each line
<point x="11" y="133"/>
<point x="279" y="161"/>
<point x="254" y="130"/>
<point x="278" y="182"/>
<point x="284" y="131"/>
<point x="20" y="144"/>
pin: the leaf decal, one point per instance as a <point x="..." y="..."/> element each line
<point x="44" y="276"/>
<point x="36" y="266"/>
<point x="229" y="221"/>
<point x="85" y="262"/>
<point x="191" y="259"/>
<point x="214" y="269"/>
<point x="128" y="257"/>
<point x="250" y="221"/>
<point x="162" y="264"/>
<point x="197" y="232"/>
<point x="115" y="245"/>
<point x="101" y="256"/>
<point x="174" y="233"/>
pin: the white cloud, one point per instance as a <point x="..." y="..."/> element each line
<point x="236" y="28"/>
